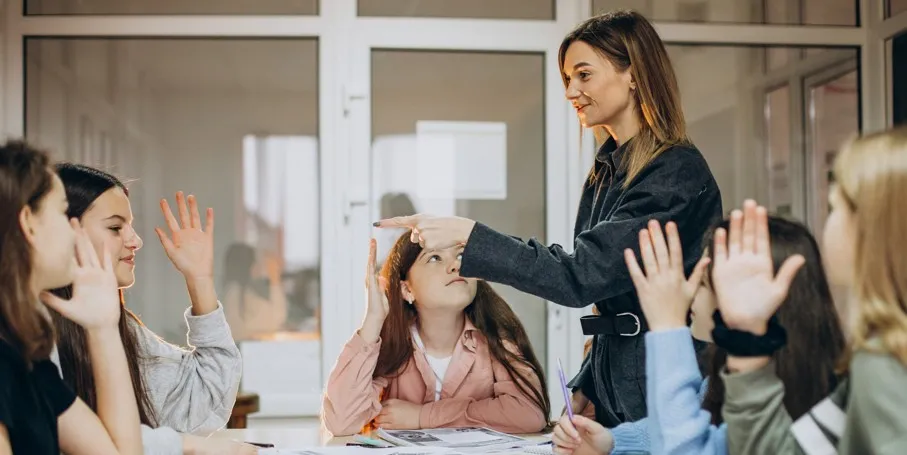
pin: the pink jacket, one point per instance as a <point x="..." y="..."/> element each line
<point x="477" y="390"/>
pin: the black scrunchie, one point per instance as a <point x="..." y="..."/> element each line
<point x="745" y="344"/>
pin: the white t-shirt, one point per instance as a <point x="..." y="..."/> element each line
<point x="438" y="365"/>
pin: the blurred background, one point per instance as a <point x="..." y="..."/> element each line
<point x="300" y="121"/>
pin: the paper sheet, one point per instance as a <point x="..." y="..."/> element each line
<point x="352" y="450"/>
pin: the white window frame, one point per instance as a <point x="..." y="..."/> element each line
<point x="343" y="63"/>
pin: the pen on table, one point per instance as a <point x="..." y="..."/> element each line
<point x="263" y="445"/>
<point x="371" y="442"/>
<point x="560" y="372"/>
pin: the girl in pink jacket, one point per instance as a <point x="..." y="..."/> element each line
<point x="434" y="350"/>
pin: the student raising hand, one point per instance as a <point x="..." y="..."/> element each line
<point x="748" y="290"/>
<point x="95" y="303"/>
<point x="665" y="294"/>
<point x="377" y="307"/>
<point x="191" y="245"/>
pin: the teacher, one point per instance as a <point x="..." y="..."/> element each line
<point x="619" y="78"/>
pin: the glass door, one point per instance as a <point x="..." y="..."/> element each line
<point x="464" y="130"/>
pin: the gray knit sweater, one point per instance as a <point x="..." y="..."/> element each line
<point x="191" y="389"/>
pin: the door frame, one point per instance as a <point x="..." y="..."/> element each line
<point x="563" y="168"/>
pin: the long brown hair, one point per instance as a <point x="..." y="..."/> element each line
<point x="871" y="173"/>
<point x="815" y="339"/>
<point x="25" y="179"/>
<point x="490" y="314"/>
<point x="83" y="186"/>
<point x="629" y="42"/>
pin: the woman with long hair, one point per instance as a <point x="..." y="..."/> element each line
<point x="434" y="350"/>
<point x="188" y="391"/>
<point x="685" y="409"/>
<point x="39" y="414"/>
<point x="863" y="242"/>
<point x="619" y="79"/>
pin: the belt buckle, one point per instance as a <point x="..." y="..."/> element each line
<point x="635" y="320"/>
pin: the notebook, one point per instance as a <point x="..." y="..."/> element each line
<point x="466" y="440"/>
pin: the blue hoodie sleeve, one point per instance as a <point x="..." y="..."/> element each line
<point x="679" y="425"/>
<point x="631" y="437"/>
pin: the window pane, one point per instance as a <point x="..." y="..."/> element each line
<point x="899" y="79"/>
<point x="815" y="12"/>
<point x="454" y="153"/>
<point x="779" y="57"/>
<point x="777" y="133"/>
<point x="833" y="113"/>
<point x="830" y="12"/>
<point x="106" y="7"/>
<point x="740" y="118"/>
<point x="233" y="121"/>
<point x="483" y="9"/>
<point x="896" y="7"/>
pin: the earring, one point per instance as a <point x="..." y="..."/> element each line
<point x="410" y="301"/>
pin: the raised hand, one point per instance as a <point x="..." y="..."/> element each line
<point x="273" y="268"/>
<point x="376" y="285"/>
<point x="431" y="232"/>
<point x="665" y="293"/>
<point x="95" y="302"/>
<point x="189" y="247"/>
<point x="743" y="275"/>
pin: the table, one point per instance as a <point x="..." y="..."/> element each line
<point x="284" y="438"/>
<point x="303" y="437"/>
<point x="246" y="403"/>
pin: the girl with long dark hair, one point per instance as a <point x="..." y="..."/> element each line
<point x="179" y="391"/>
<point x="435" y="350"/>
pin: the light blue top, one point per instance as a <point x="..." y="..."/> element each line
<point x="676" y="423"/>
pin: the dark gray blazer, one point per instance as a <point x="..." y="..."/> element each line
<point x="676" y="186"/>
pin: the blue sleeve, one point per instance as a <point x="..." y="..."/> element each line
<point x="674" y="389"/>
<point x="631" y="437"/>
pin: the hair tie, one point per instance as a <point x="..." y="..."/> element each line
<point x="740" y="343"/>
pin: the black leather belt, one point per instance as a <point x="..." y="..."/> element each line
<point x="621" y="324"/>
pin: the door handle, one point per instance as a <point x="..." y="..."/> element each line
<point x="348" y="206"/>
<point x="347" y="99"/>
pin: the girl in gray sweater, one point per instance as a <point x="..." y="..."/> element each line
<point x="182" y="394"/>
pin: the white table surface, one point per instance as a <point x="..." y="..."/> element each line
<point x="302" y="437"/>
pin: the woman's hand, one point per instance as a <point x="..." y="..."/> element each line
<point x="190" y="248"/>
<point x="665" y="294"/>
<point x="748" y="290"/>
<point x="377" y="306"/>
<point x="95" y="302"/>
<point x="582" y="435"/>
<point x="432" y="232"/>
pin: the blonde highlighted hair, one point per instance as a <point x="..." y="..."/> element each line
<point x="630" y="43"/>
<point x="871" y="174"/>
